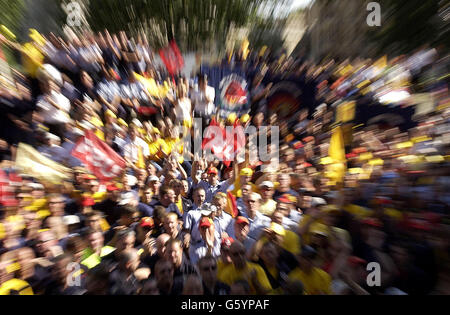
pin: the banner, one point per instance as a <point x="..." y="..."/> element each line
<point x="285" y="99"/>
<point x="172" y="58"/>
<point x="32" y="163"/>
<point x="98" y="157"/>
<point x="232" y="89"/>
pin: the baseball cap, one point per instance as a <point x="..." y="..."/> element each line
<point x="246" y="172"/>
<point x="278" y="229"/>
<point x="212" y="170"/>
<point x="205" y="222"/>
<point x="316" y="201"/>
<point x="231" y="118"/>
<point x="112" y="187"/>
<point x="240" y="220"/>
<point x="266" y="184"/>
<point x="153" y="178"/>
<point x="207" y="209"/>
<point x="71" y="219"/>
<point x="126" y="198"/>
<point x="147" y="222"/>
<point x="87" y="201"/>
<point x="244" y="118"/>
<point x="289" y="199"/>
<point x="226" y="242"/>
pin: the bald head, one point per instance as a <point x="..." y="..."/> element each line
<point x="161" y="242"/>
<point x="129" y="259"/>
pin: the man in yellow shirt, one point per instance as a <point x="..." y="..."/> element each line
<point x="315" y="280"/>
<point x="242" y="269"/>
<point x="268" y="205"/>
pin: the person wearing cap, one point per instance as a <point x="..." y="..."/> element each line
<point x="268" y="205"/>
<point x="207" y="267"/>
<point x="241" y="228"/>
<point x="210" y="244"/>
<point x="245" y="177"/>
<point x="315" y="280"/>
<point x="242" y="269"/>
<point x="213" y="185"/>
<point x="144" y="230"/>
<point x="291" y="217"/>
<point x="153" y="184"/>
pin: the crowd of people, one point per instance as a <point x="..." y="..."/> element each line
<point x="311" y="225"/>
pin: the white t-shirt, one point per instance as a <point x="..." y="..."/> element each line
<point x="202" y="107"/>
<point x="183" y="109"/>
<point x="131" y="149"/>
<point x="51" y="114"/>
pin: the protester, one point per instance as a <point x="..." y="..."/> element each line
<point x="98" y="171"/>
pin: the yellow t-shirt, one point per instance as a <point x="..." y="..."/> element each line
<point x="179" y="204"/>
<point x="315" y="283"/>
<point x="230" y="275"/>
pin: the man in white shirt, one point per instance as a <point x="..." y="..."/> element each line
<point x="53" y="106"/>
<point x="133" y="146"/>
<point x="203" y="100"/>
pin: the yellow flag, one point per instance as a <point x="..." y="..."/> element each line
<point x="33" y="163"/>
<point x="337" y="153"/>
<point x="337" y="150"/>
<point x="244" y="49"/>
<point x="346" y="112"/>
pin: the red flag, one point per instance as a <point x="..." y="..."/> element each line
<point x="7" y="190"/>
<point x="172" y="57"/>
<point x="99" y="157"/>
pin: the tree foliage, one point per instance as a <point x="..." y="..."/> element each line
<point x="196" y="25"/>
